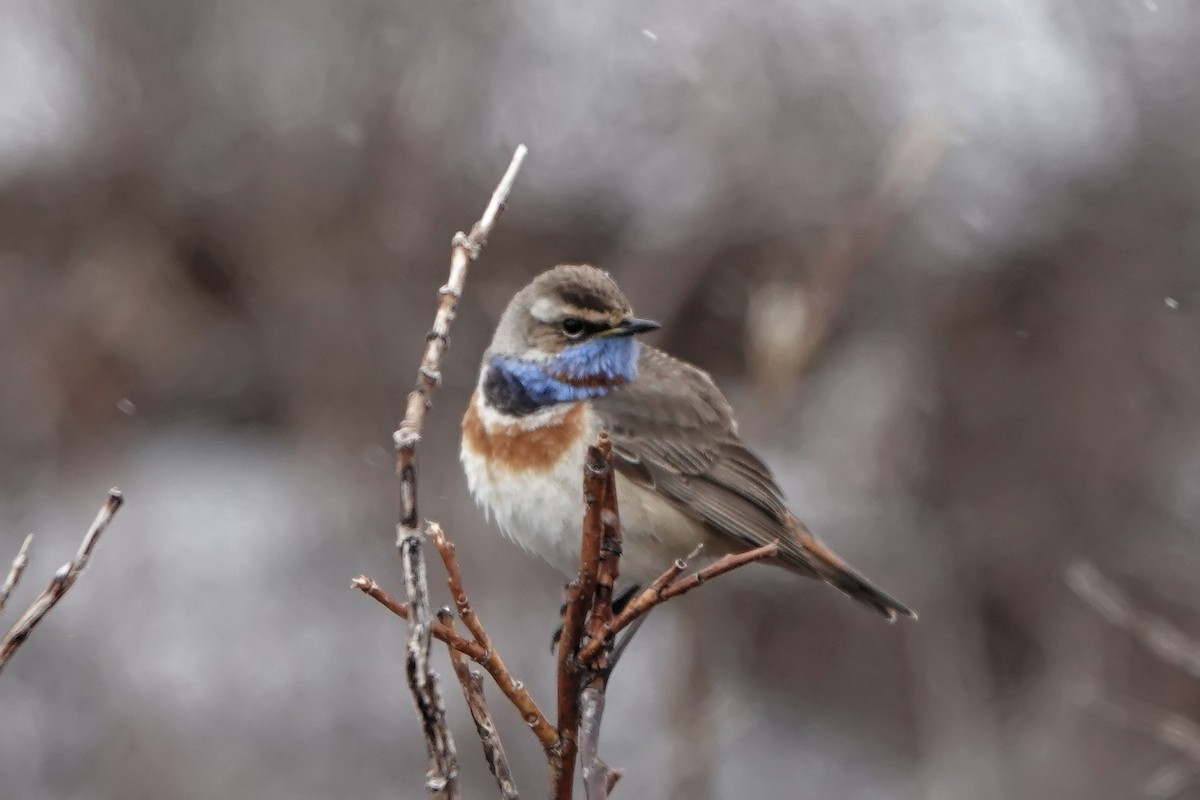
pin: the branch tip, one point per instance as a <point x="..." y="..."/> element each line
<point x="64" y="578"/>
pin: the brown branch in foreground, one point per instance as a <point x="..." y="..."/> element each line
<point x="14" y="573"/>
<point x="63" y="580"/>
<point x="369" y="587"/>
<point x="608" y="569"/>
<point x="598" y="484"/>
<point x="513" y="689"/>
<point x="489" y="737"/>
<point x="597" y="776"/>
<point x="441" y="778"/>
<point x="668" y="585"/>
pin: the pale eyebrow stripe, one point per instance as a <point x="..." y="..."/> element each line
<point x="546" y="310"/>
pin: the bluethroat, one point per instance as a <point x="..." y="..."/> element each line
<point x="564" y="364"/>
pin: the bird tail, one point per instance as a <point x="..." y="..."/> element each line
<point x="807" y="554"/>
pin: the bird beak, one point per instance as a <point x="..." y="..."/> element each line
<point x="631" y="326"/>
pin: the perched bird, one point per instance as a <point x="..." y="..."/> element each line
<point x="563" y="365"/>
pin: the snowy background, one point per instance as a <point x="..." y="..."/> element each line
<point x="944" y="258"/>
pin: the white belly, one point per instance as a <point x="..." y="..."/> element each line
<point x="542" y="510"/>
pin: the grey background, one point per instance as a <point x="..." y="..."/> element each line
<point x="222" y="226"/>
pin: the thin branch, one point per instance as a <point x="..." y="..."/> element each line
<point x="369" y="587"/>
<point x="607" y="572"/>
<point x="513" y="689"/>
<point x="598" y="483"/>
<point x="719" y="567"/>
<point x="465" y="249"/>
<point x="14" y="573"/>
<point x="441" y="777"/>
<point x="1160" y="636"/>
<point x="596" y="774"/>
<point x="668" y="585"/>
<point x="598" y="777"/>
<point x="63" y="580"/>
<point x="489" y="737"/>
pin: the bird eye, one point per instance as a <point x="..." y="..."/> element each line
<point x="573" y="327"/>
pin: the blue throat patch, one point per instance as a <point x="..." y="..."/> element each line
<point x="581" y="371"/>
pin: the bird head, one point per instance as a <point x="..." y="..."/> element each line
<point x="568" y="335"/>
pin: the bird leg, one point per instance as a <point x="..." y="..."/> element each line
<point x="618" y="605"/>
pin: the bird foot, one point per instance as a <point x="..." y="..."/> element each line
<point x="618" y="605"/>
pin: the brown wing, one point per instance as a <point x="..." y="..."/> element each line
<point x="673" y="432"/>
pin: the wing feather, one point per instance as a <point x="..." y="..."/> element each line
<point x="673" y="432"/>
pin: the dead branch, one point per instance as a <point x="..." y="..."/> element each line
<point x="668" y="585"/>
<point x="598" y="778"/>
<point x="14" y="573"/>
<point x="369" y="587"/>
<point x="513" y="689"/>
<point x="598" y="483"/>
<point x="441" y="779"/>
<point x="465" y="249"/>
<point x="1159" y="636"/>
<point x="63" y="580"/>
<point x="609" y="568"/>
<point x="442" y="774"/>
<point x="589" y="627"/>
<point x="489" y="736"/>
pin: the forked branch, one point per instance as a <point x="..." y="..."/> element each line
<point x="441" y="779"/>
<point x="489" y="737"/>
<point x="513" y="689"/>
<point x="15" y="571"/>
<point x="440" y="631"/>
<point x="589" y="625"/>
<point x="598" y="485"/>
<point x="671" y="583"/>
<point x="62" y="581"/>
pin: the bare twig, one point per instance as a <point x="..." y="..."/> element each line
<point x="719" y="567"/>
<point x="669" y="585"/>
<point x="597" y="775"/>
<point x="14" y="573"/>
<point x="489" y="737"/>
<point x="63" y="580"/>
<point x="369" y="587"/>
<point x="589" y="611"/>
<point x="607" y="572"/>
<point x="597" y="485"/>
<point x="441" y="779"/>
<point x="1160" y="636"/>
<point x="465" y="249"/>
<point x="423" y="683"/>
<point x="513" y="689"/>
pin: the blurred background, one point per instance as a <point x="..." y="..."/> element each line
<point x="944" y="258"/>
